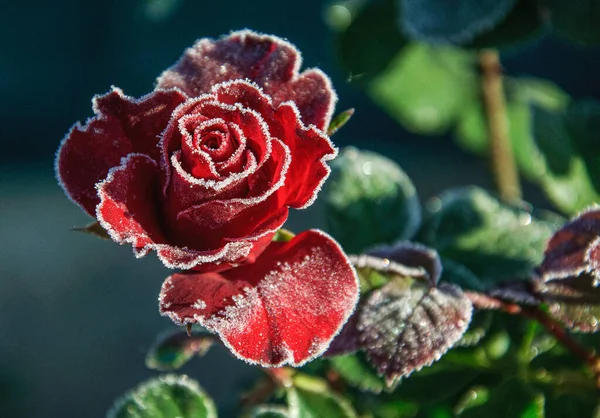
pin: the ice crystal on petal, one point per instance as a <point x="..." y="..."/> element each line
<point x="283" y="309"/>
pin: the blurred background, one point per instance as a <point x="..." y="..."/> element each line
<point x="77" y="314"/>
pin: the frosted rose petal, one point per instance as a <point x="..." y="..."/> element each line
<point x="122" y="125"/>
<point x="269" y="61"/>
<point x="283" y="309"/>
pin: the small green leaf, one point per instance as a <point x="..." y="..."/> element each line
<point x="93" y="229"/>
<point x="579" y="21"/>
<point x="283" y="235"/>
<point x="169" y="396"/>
<point x="474" y="397"/>
<point x="369" y="200"/>
<point x="371" y="39"/>
<point x="495" y="241"/>
<point x="457" y="21"/>
<point x="339" y="121"/>
<point x="175" y="348"/>
<point x="512" y="398"/>
<point x="358" y="373"/>
<point x="309" y="398"/>
<point x="426" y="87"/>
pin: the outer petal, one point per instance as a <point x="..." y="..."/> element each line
<point x="128" y="211"/>
<point x="284" y="309"/>
<point x="122" y="125"/>
<point x="311" y="149"/>
<point x="269" y="61"/>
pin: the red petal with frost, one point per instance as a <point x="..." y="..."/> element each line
<point x="269" y="61"/>
<point x="122" y="125"/>
<point x="283" y="309"/>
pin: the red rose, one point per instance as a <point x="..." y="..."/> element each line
<point x="203" y="171"/>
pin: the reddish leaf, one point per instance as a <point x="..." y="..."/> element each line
<point x="574" y="248"/>
<point x="407" y="324"/>
<point x="283" y="309"/>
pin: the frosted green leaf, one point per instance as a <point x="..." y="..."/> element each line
<point x="169" y="396"/>
<point x="457" y="21"/>
<point x="369" y="200"/>
<point x="427" y="87"/>
<point x="494" y="241"/>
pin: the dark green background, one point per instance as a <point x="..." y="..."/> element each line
<point x="77" y="314"/>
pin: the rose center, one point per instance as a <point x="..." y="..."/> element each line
<point x="211" y="142"/>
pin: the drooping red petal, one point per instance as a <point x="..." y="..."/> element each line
<point x="283" y="309"/>
<point x="122" y="125"/>
<point x="269" y="61"/>
<point x="311" y="149"/>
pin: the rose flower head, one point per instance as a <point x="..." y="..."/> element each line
<point x="203" y="171"/>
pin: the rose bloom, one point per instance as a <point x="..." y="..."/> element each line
<point x="203" y="171"/>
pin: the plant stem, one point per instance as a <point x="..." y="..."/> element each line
<point x="483" y="301"/>
<point x="503" y="164"/>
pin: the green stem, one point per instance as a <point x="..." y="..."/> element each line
<point x="503" y="163"/>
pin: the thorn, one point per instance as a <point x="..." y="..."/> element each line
<point x="188" y="328"/>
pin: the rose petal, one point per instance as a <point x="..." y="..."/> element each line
<point x="311" y="149"/>
<point x="122" y="125"/>
<point x="269" y="61"/>
<point x="127" y="208"/>
<point x="283" y="309"/>
<point x="128" y="211"/>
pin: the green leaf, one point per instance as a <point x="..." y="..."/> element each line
<point x="568" y="145"/>
<point x="169" y="396"/>
<point x="175" y="348"/>
<point x="358" y="373"/>
<point x="312" y="398"/>
<point x="283" y="235"/>
<point x="435" y="384"/>
<point x="453" y="272"/>
<point x="369" y="200"/>
<point x="371" y="40"/>
<point x="525" y="22"/>
<point x="561" y="406"/>
<point x="426" y="87"/>
<point x="269" y="411"/>
<point x="495" y="241"/>
<point x="478" y="329"/>
<point x="579" y="21"/>
<point x="513" y="398"/>
<point x="457" y="21"/>
<point x="472" y="133"/>
<point x="93" y="229"/>
<point x="339" y="121"/>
